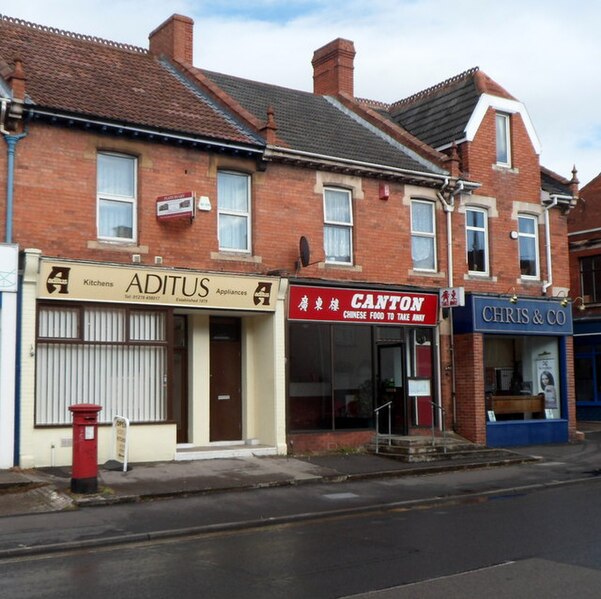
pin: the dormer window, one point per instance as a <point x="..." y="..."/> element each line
<point x="503" y="139"/>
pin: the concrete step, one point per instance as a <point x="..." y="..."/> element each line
<point x="11" y="481"/>
<point x="423" y="449"/>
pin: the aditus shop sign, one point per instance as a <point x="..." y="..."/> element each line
<point x="361" y="305"/>
<point x="168" y="287"/>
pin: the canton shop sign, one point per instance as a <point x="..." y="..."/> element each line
<point x="360" y="305"/>
<point x="527" y="316"/>
<point x="178" y="205"/>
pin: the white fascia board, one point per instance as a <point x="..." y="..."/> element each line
<point x="487" y="101"/>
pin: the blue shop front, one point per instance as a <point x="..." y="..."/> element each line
<point x="524" y="366"/>
<point x="587" y="367"/>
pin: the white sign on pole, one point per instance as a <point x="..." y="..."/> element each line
<point x="120" y="439"/>
<point x="452" y="297"/>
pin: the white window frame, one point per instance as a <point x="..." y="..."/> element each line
<point x="425" y="234"/>
<point x="506" y="120"/>
<point x="483" y="229"/>
<point x="533" y="236"/>
<point x="132" y="200"/>
<point x="246" y="214"/>
<point x="346" y="225"/>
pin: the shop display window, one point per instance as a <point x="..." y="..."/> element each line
<point x="587" y="373"/>
<point x="331" y="381"/>
<point x="521" y="377"/>
<point x="339" y="373"/>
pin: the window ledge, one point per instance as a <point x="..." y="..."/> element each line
<point x="472" y="276"/>
<point x="529" y="282"/>
<point x="426" y="273"/>
<point x="336" y="266"/>
<point x="503" y="168"/>
<point x="118" y="246"/>
<point x="236" y="257"/>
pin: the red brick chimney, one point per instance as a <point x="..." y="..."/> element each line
<point x="333" y="68"/>
<point x="174" y="38"/>
<point x="17" y="80"/>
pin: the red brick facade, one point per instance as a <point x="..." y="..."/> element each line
<point x="55" y="211"/>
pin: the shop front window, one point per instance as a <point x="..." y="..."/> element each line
<point x="115" y="357"/>
<point x="331" y="380"/>
<point x="521" y="376"/>
<point x="584" y="375"/>
<point x="587" y="373"/>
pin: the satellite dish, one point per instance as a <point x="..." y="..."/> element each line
<point x="304" y="251"/>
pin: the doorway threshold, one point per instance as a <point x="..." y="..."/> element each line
<point x="236" y="449"/>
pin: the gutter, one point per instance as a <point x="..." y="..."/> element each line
<point x="144" y="131"/>
<point x="279" y="152"/>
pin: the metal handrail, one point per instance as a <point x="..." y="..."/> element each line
<point x="388" y="405"/>
<point x="442" y="420"/>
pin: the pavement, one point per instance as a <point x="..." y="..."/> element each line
<point x="39" y="513"/>
<point x="48" y="489"/>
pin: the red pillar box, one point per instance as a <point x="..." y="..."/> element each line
<point x="84" y="472"/>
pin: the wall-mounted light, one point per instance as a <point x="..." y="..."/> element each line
<point x="513" y="298"/>
<point x="581" y="305"/>
<point x="565" y="300"/>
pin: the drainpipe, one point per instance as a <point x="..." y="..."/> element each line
<point x="11" y="109"/>
<point x="11" y="142"/>
<point x="449" y="207"/>
<point x="549" y="281"/>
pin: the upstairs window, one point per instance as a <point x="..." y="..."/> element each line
<point x="528" y="246"/>
<point x="503" y="139"/>
<point x="338" y="226"/>
<point x="476" y="229"/>
<point x="116" y="197"/>
<point x="590" y="278"/>
<point x="423" y="235"/>
<point x="233" y="199"/>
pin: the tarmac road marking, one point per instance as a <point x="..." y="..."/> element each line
<point x="340" y="496"/>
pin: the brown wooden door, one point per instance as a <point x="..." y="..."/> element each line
<point x="226" y="380"/>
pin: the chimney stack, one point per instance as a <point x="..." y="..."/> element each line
<point x="174" y="38"/>
<point x="333" y="68"/>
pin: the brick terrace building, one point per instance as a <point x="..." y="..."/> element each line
<point x="509" y="253"/>
<point x="239" y="267"/>
<point x="584" y="226"/>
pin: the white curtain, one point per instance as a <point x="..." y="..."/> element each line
<point x="337" y="237"/>
<point x="115" y="181"/>
<point x="422" y="246"/>
<point x="233" y="201"/>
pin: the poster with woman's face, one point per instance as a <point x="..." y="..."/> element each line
<point x="547" y="382"/>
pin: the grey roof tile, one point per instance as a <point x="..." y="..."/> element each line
<point x="311" y="123"/>
<point x="439" y="116"/>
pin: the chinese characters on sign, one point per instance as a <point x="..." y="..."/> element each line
<point x="359" y="305"/>
<point x="452" y="297"/>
